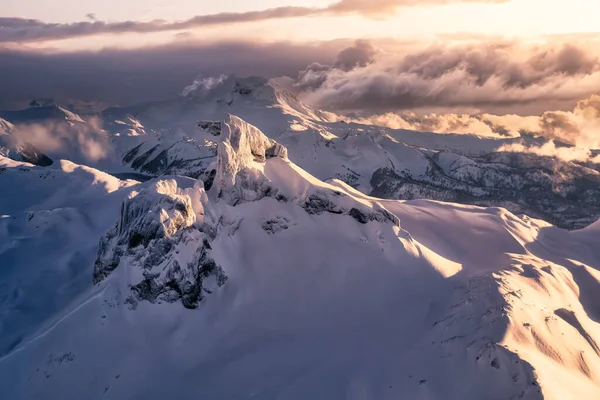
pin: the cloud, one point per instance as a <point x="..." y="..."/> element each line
<point x="484" y="76"/>
<point x="28" y="30"/>
<point x="126" y="76"/>
<point x="579" y="127"/>
<point x="438" y="123"/>
<point x="377" y="7"/>
<point x="74" y="141"/>
<point x="202" y="84"/>
<point x="491" y="88"/>
<point x="360" y="55"/>
<point x="314" y="76"/>
<point x="550" y="149"/>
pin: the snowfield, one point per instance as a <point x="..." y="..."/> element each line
<point x="268" y="282"/>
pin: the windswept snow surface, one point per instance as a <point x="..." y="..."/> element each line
<point x="50" y="221"/>
<point x="274" y="284"/>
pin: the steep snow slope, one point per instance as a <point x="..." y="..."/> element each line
<point x="274" y="284"/>
<point x="50" y="220"/>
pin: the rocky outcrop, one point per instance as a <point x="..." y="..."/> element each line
<point x="238" y="177"/>
<point x="159" y="238"/>
<point x="330" y="201"/>
<point x="211" y="127"/>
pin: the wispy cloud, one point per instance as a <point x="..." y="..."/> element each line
<point x="31" y="30"/>
<point x="550" y="149"/>
<point x="75" y="141"/>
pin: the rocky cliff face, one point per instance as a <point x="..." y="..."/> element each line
<point x="240" y="155"/>
<point x="160" y="239"/>
<point x="163" y="237"/>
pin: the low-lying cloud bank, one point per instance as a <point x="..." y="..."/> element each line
<point x="483" y="78"/>
<point x="499" y="90"/>
<point x="550" y="149"/>
<point x="580" y="127"/>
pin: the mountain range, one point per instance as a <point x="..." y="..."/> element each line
<point x="233" y="242"/>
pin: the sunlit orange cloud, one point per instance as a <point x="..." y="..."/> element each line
<point x="578" y="127"/>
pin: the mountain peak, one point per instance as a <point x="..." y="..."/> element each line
<point x="228" y="88"/>
<point x="6" y="128"/>
<point x="242" y="146"/>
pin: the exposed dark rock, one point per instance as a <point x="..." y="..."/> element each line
<point x="167" y="160"/>
<point x="157" y="165"/>
<point x="276" y="150"/>
<point x="209" y="179"/>
<point x="322" y="202"/>
<point x="212" y="127"/>
<point x="495" y="363"/>
<point x="316" y="204"/>
<point x="32" y="155"/>
<point x="275" y="225"/>
<point x="152" y="226"/>
<point x="131" y="154"/>
<point x="139" y="162"/>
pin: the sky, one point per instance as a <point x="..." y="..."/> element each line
<point x="524" y="57"/>
<point x="517" y="17"/>
<point x="426" y="20"/>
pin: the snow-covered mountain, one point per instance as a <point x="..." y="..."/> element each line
<point x="266" y="282"/>
<point x="178" y="137"/>
<point x="16" y="148"/>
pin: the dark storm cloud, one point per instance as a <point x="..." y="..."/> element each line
<point x="359" y="55"/>
<point x="128" y="76"/>
<point x="312" y="77"/>
<point x="31" y="30"/>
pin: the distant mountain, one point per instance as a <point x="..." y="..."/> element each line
<point x="177" y="137"/>
<point x="39" y="113"/>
